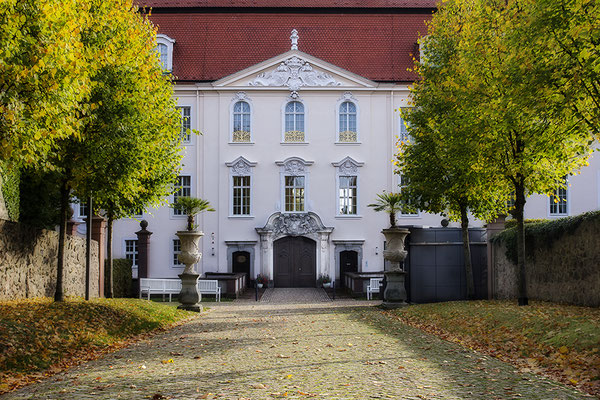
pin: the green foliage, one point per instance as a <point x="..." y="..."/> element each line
<point x="511" y="223"/>
<point x="390" y="203"/>
<point x="191" y="206"/>
<point x="40" y="198"/>
<point x="543" y="233"/>
<point x="324" y="278"/>
<point x="9" y="180"/>
<point x="122" y="277"/>
<point x="43" y="77"/>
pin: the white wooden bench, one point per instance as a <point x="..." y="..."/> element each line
<point x="373" y="287"/>
<point x="165" y="287"/>
<point x="206" y="286"/>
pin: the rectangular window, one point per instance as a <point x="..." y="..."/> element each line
<point x="176" y="251"/>
<point x="186" y="124"/>
<point x="241" y="195"/>
<point x="294" y="193"/>
<point x="183" y="188"/>
<point x="131" y="251"/>
<point x="408" y="210"/>
<point x="347" y="195"/>
<point x="404" y="136"/>
<point x="83" y="209"/>
<point x="558" y="200"/>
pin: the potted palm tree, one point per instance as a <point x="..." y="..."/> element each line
<point x="189" y="254"/>
<point x="395" y="293"/>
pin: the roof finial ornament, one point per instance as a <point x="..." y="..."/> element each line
<point x="294" y="39"/>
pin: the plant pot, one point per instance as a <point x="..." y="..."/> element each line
<point x="327" y="285"/>
<point x="260" y="285"/>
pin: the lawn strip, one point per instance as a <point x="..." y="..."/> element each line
<point x="559" y="341"/>
<point x="39" y="337"/>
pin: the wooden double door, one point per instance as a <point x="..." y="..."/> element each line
<point x="295" y="262"/>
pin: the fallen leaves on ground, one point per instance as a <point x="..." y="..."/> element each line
<point x="39" y="337"/>
<point x="559" y="341"/>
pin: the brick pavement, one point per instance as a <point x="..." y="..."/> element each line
<point x="324" y="350"/>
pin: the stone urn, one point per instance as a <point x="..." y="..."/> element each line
<point x="189" y="255"/>
<point x="394" y="294"/>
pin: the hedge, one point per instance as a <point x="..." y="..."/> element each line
<point x="121" y="277"/>
<point x="543" y="233"/>
<point x="10" y="190"/>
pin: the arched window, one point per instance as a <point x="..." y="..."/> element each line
<point x="241" y="122"/>
<point x="294" y="122"/>
<point x="163" y="52"/>
<point x="348" y="129"/>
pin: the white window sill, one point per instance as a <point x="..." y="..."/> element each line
<point x="241" y="216"/>
<point x="178" y="266"/>
<point x="349" y="216"/>
<point x="294" y="143"/>
<point x="558" y="215"/>
<point x="241" y="143"/>
<point x="348" y="143"/>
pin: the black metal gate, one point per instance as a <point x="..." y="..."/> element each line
<point x="435" y="264"/>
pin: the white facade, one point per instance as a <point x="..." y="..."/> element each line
<point x="216" y="162"/>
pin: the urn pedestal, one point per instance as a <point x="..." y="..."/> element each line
<point x="394" y="295"/>
<point x="189" y="255"/>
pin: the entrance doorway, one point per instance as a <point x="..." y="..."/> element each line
<point x="241" y="264"/>
<point x="294" y="262"/>
<point x="348" y="263"/>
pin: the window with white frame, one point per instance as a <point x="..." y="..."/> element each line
<point x="83" y="209"/>
<point x="408" y="210"/>
<point x="241" y="122"/>
<point x="347" y="195"/>
<point x="347" y="186"/>
<point x="164" y="48"/>
<point x="241" y="195"/>
<point x="559" y="200"/>
<point x="240" y="171"/>
<point x="175" y="253"/>
<point x="131" y="251"/>
<point x="347" y="130"/>
<point x="294" y="193"/>
<point x="186" y="123"/>
<point x="294" y="122"/>
<point x="183" y="188"/>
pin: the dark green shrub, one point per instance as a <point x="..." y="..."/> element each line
<point x="10" y="190"/>
<point x="40" y="199"/>
<point x="511" y="223"/>
<point x="121" y="277"/>
<point x="543" y="234"/>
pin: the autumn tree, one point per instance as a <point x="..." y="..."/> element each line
<point x="441" y="160"/>
<point x="128" y="152"/>
<point x="527" y="139"/>
<point x="43" y="77"/>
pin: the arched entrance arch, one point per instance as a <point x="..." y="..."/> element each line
<point x="305" y="225"/>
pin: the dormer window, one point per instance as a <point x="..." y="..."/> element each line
<point x="164" y="48"/>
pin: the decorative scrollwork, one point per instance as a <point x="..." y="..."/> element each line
<point x="294" y="137"/>
<point x="348" y="137"/>
<point x="240" y="137"/>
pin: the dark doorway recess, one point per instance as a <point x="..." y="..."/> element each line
<point x="294" y="262"/>
<point x="241" y="264"/>
<point x="348" y="263"/>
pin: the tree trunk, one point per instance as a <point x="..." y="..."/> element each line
<point x="464" y="224"/>
<point x="62" y="237"/>
<point x="190" y="222"/>
<point x="392" y="219"/>
<point x="518" y="215"/>
<point x="88" y="246"/>
<point x="109" y="257"/>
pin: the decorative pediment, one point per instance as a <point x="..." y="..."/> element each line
<point x="294" y="73"/>
<point x="348" y="166"/>
<point x="307" y="224"/>
<point x="241" y="167"/>
<point x="294" y="166"/>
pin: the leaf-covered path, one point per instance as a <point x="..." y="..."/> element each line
<point x="341" y="350"/>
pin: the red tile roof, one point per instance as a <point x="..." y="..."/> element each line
<point x="290" y="3"/>
<point x="210" y="46"/>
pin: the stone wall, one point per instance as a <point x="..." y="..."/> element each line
<point x="28" y="262"/>
<point x="567" y="271"/>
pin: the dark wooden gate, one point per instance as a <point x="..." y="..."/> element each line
<point x="348" y="263"/>
<point x="295" y="262"/>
